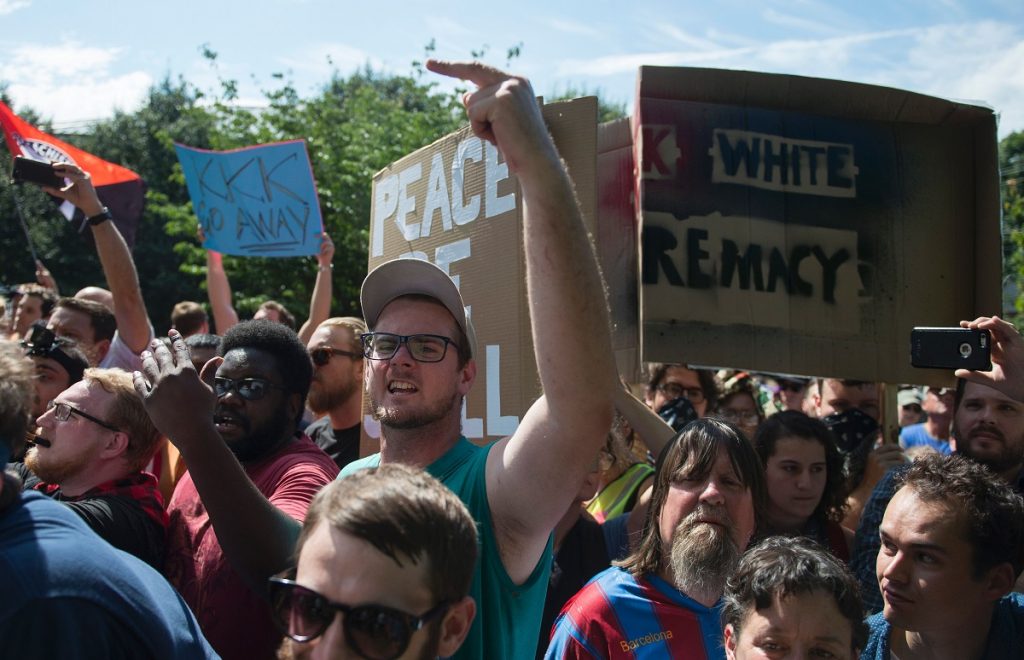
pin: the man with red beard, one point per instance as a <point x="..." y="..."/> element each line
<point x="662" y="601"/>
<point x="336" y="391"/>
<point x="260" y="381"/>
<point x="92" y="445"/>
<point x="988" y="427"/>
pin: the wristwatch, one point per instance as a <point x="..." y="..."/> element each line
<point x="100" y="217"/>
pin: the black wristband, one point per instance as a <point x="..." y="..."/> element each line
<point x="100" y="217"/>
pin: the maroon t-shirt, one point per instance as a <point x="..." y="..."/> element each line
<point x="236" y="620"/>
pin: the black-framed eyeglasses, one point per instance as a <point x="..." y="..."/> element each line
<point x="373" y="631"/>
<point x="675" y="391"/>
<point x="423" y="348"/>
<point x="62" y="412"/>
<point x="250" y="389"/>
<point x="321" y="355"/>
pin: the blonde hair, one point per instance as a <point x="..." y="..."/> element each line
<point x="128" y="414"/>
<point x="356" y="325"/>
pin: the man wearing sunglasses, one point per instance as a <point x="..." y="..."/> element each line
<point x="90" y="449"/>
<point x="392" y="550"/>
<point x="422" y="362"/>
<point x="58" y="363"/>
<point x="259" y="383"/>
<point x="66" y="593"/>
<point x="336" y="391"/>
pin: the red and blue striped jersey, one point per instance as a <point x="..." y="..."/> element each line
<point x="619" y="616"/>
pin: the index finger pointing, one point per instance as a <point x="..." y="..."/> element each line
<point x="476" y="72"/>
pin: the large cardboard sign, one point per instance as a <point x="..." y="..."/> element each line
<point x="798" y="225"/>
<point x="255" y="201"/>
<point x="456" y="204"/>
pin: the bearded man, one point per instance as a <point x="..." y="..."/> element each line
<point x="336" y="391"/>
<point x="662" y="601"/>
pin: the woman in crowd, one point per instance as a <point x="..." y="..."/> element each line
<point x="790" y="599"/>
<point x="739" y="404"/>
<point x="622" y="474"/>
<point x="804" y="475"/>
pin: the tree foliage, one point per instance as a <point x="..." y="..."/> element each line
<point x="353" y="127"/>
<point x="1011" y="175"/>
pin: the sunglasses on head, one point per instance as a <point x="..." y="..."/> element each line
<point x="373" y="631"/>
<point x="250" y="389"/>
<point x="323" y="354"/>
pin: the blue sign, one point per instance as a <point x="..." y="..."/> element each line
<point x="255" y="201"/>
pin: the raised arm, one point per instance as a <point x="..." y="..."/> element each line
<point x="257" y="537"/>
<point x="320" y="303"/>
<point x="1007" y="373"/>
<point x="115" y="258"/>
<point x="534" y="475"/>
<point x="219" y="290"/>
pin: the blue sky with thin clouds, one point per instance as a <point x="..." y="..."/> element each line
<point x="76" y="61"/>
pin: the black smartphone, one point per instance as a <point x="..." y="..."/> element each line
<point x="951" y="348"/>
<point x="35" y="171"/>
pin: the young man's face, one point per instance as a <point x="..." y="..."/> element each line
<point x="924" y="566"/>
<point x="74" y="444"/>
<point x="341" y="378"/>
<point x="406" y="393"/>
<point x="989" y="428"/>
<point x="253" y="428"/>
<point x="679" y="381"/>
<point x="835" y="397"/>
<point x="77" y="326"/>
<point x="50" y="380"/>
<point x="349" y="570"/>
<point x="28" y="311"/>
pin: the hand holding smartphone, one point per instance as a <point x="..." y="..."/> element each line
<point x="951" y="348"/>
<point x="36" y="172"/>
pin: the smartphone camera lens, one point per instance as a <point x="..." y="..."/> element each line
<point x="965" y="350"/>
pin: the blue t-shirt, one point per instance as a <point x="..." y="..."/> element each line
<point x="916" y="435"/>
<point x="507" y="622"/>
<point x="619" y="616"/>
<point x="1005" y="636"/>
<point x="69" y="594"/>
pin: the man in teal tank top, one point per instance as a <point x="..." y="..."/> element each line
<point x="420" y="365"/>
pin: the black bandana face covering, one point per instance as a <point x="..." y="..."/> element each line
<point x="43" y="343"/>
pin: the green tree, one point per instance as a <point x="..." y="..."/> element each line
<point x="1011" y="175"/>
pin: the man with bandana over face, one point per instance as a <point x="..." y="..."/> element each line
<point x="261" y="379"/>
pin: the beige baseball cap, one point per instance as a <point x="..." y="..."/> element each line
<point x="409" y="276"/>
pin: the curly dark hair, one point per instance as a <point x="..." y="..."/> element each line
<point x="793" y="423"/>
<point x="656" y="372"/>
<point x="993" y="512"/>
<point x="290" y="356"/>
<point x="782" y="566"/>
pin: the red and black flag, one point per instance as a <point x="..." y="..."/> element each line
<point x="120" y="189"/>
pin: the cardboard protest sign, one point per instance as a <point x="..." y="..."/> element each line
<point x="255" y="201"/>
<point x="456" y="204"/>
<point x="804" y="226"/>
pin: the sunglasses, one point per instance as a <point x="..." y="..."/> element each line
<point x="790" y="386"/>
<point x="373" y="631"/>
<point x="323" y="354"/>
<point x="250" y="389"/>
<point x="62" y="412"/>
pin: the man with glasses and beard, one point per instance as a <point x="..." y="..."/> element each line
<point x="988" y="427"/>
<point x="662" y="600"/>
<point x="392" y="551"/>
<point x="260" y="380"/>
<point x="337" y="388"/>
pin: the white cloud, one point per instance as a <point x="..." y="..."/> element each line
<point x="70" y="82"/>
<point x="573" y="27"/>
<point x="322" y="59"/>
<point x="9" y="6"/>
<point x="797" y="22"/>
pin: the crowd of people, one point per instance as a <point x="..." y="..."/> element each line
<point x="207" y="495"/>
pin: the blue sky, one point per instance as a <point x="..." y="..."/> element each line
<point x="76" y="61"/>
